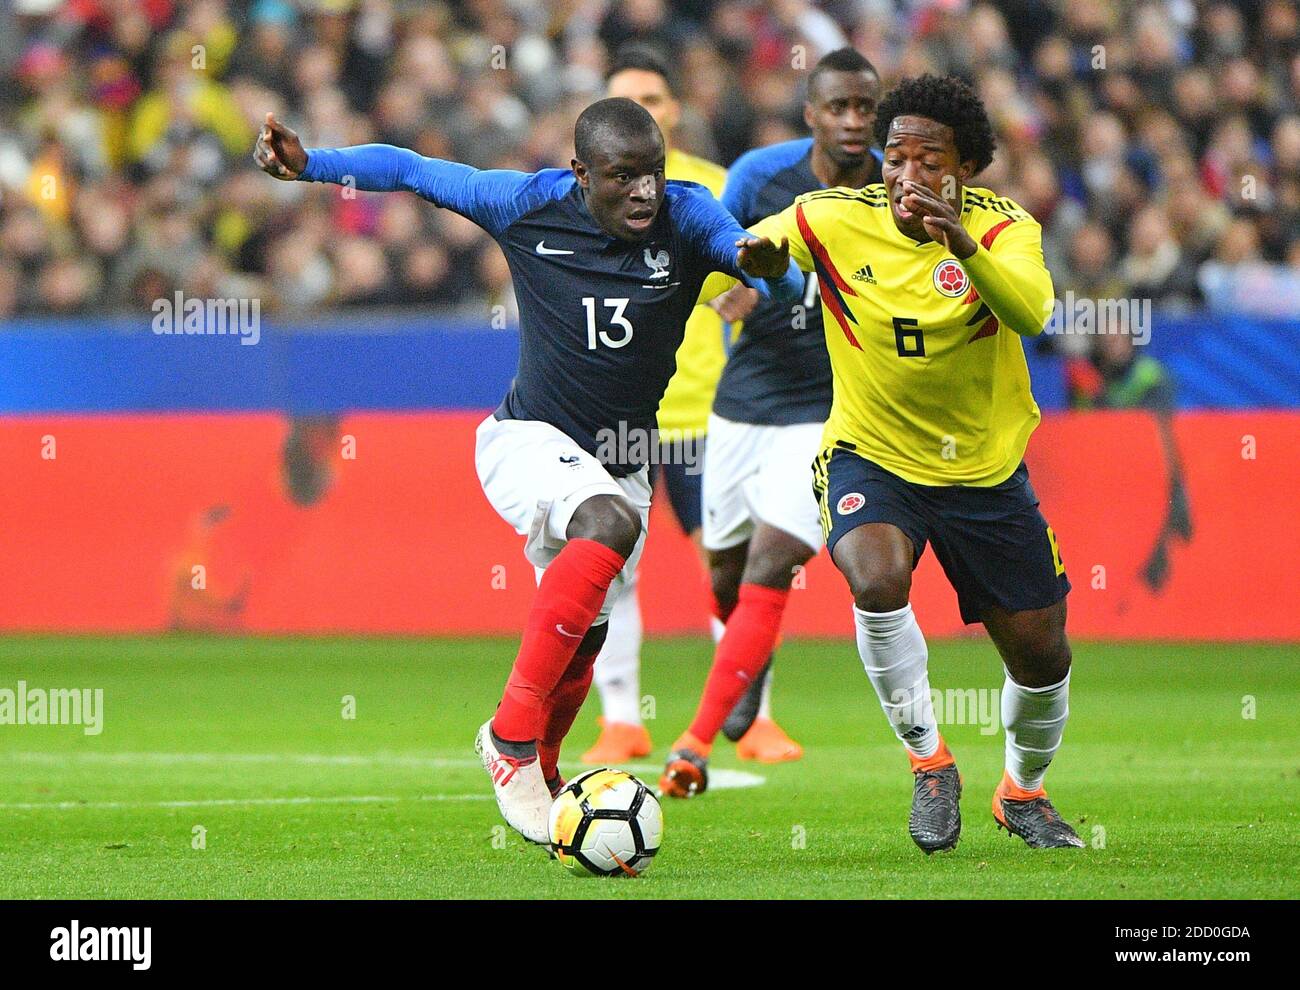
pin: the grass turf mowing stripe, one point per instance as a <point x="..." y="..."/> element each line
<point x="1178" y="792"/>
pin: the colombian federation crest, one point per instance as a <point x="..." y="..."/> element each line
<point x="950" y="278"/>
<point x="850" y="503"/>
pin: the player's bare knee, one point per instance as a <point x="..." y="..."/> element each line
<point x="725" y="570"/>
<point x="878" y="584"/>
<point x="1052" y="659"/>
<point x="724" y="582"/>
<point x="774" y="554"/>
<point x="774" y="568"/>
<point x="1041" y="658"/>
<point x="607" y="519"/>
<point x="876" y="560"/>
<point x="882" y="591"/>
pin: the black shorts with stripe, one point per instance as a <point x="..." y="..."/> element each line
<point x="993" y="543"/>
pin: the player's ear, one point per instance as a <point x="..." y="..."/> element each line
<point x="579" y="172"/>
<point x="967" y="170"/>
<point x="808" y="114"/>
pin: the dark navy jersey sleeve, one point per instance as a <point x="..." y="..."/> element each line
<point x="492" y="198"/>
<point x="706" y="223"/>
<point x="753" y="170"/>
<point x="777" y="372"/>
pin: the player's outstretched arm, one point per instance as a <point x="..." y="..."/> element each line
<point x="278" y="151"/>
<point x="492" y="198"/>
<point x="728" y="247"/>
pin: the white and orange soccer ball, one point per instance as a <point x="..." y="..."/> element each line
<point x="606" y="823"/>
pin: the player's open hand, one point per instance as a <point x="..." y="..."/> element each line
<point x="760" y="258"/>
<point x="278" y="151"/>
<point x="940" y="219"/>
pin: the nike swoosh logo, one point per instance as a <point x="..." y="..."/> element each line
<point x="559" y="628"/>
<point x="543" y="249"/>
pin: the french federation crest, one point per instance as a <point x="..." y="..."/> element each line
<point x="657" y="263"/>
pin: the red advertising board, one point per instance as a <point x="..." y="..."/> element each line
<point x="135" y="523"/>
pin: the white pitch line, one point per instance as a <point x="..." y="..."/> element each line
<point x="224" y="802"/>
<point x="302" y="759"/>
<point x="721" y="778"/>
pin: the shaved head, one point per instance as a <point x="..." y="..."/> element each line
<point x="612" y="125"/>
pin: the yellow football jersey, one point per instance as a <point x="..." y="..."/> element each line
<point x="684" y="409"/>
<point x="929" y="370"/>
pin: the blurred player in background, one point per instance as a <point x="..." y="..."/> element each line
<point x="640" y="74"/>
<point x="1114" y="376"/>
<point x="608" y="260"/>
<point x="931" y="415"/>
<point x="760" y="514"/>
<point x="243" y="538"/>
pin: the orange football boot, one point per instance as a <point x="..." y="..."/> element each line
<point x="618" y="743"/>
<point x="767" y="742"/>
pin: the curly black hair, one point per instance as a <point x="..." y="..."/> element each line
<point x="949" y="100"/>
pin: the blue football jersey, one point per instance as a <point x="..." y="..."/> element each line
<point x="600" y="318"/>
<point x="778" y="371"/>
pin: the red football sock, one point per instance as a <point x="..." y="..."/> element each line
<point x="569" y="597"/>
<point x="562" y="708"/>
<point x="752" y="630"/>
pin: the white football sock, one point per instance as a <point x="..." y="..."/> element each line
<point x="894" y="655"/>
<point x="618" y="666"/>
<point x="1034" y="720"/>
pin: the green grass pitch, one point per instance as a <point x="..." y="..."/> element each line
<point x="243" y="742"/>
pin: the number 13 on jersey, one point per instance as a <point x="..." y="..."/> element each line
<point x="616" y="319"/>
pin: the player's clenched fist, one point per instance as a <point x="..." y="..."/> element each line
<point x="278" y="151"/>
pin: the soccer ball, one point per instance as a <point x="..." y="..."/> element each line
<point x="606" y="823"/>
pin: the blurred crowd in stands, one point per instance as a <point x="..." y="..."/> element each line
<point x="1158" y="142"/>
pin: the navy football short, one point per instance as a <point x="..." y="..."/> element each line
<point x="683" y="479"/>
<point x="993" y="543"/>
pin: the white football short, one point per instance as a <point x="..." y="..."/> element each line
<point x="535" y="477"/>
<point x="755" y="473"/>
